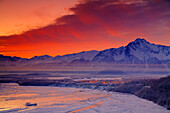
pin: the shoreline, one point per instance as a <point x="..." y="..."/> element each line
<point x="86" y="100"/>
<point x="145" y="89"/>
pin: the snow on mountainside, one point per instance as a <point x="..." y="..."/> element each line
<point x="8" y="60"/>
<point x="41" y="57"/>
<point x="82" y="56"/>
<point x="138" y="51"/>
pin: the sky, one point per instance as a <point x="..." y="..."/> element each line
<point x="56" y="27"/>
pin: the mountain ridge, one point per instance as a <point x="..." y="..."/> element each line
<point x="139" y="51"/>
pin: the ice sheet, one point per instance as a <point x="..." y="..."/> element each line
<point x="70" y="100"/>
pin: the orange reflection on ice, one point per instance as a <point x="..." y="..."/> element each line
<point x="44" y="97"/>
<point x="88" y="107"/>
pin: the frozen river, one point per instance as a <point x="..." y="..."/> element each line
<point x="71" y="100"/>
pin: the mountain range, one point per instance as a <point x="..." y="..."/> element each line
<point x="139" y="51"/>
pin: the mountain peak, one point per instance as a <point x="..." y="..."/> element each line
<point x="138" y="51"/>
<point x="141" y="40"/>
<point x="138" y="42"/>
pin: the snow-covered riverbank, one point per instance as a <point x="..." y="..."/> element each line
<point x="70" y="100"/>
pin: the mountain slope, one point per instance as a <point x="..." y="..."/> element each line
<point x="82" y="56"/>
<point x="137" y="52"/>
<point x="156" y="90"/>
<point x="8" y="60"/>
<point x="74" y="58"/>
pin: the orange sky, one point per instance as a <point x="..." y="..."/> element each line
<point x="56" y="27"/>
<point x="17" y="16"/>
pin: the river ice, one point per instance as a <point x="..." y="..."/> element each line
<point x="71" y="100"/>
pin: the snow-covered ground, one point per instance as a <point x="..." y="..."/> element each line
<point x="71" y="100"/>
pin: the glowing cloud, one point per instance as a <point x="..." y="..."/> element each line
<point x="95" y="24"/>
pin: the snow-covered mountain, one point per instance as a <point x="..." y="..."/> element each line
<point x="74" y="58"/>
<point x="136" y="52"/>
<point x="43" y="57"/>
<point x="139" y="51"/>
<point x="82" y="56"/>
